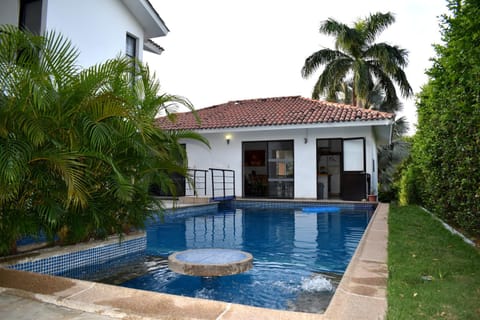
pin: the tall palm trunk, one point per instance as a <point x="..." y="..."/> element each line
<point x="354" y="96"/>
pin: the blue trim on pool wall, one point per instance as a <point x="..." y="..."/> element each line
<point x="266" y="204"/>
<point x="185" y="212"/>
<point x="55" y="265"/>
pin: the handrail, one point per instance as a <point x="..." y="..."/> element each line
<point x="223" y="180"/>
<point x="199" y="183"/>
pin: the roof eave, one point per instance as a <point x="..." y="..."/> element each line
<point x="360" y="123"/>
<point x="152" y="47"/>
<point x="148" y="17"/>
<point x="383" y="134"/>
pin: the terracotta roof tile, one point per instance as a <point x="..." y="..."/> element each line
<point x="271" y="112"/>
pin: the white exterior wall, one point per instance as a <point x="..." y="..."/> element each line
<point x="229" y="156"/>
<point x="97" y="28"/>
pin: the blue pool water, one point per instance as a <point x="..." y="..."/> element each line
<point x="297" y="256"/>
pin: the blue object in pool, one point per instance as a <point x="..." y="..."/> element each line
<point x="320" y="209"/>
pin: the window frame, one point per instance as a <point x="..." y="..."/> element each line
<point x="23" y="19"/>
<point x="131" y="38"/>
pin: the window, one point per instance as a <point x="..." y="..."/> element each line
<point x="131" y="48"/>
<point x="354" y="154"/>
<point x="31" y="16"/>
<point x="131" y="52"/>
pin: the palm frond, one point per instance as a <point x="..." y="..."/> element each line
<point x="319" y="58"/>
<point x="388" y="56"/>
<point x="70" y="170"/>
<point x="362" y="80"/>
<point x="375" y="24"/>
<point x="370" y="62"/>
<point x="332" y="76"/>
<point x="58" y="58"/>
<point x="401" y="79"/>
<point x="384" y="81"/>
<point x="346" y="39"/>
<point x="14" y="155"/>
<point x="400" y="128"/>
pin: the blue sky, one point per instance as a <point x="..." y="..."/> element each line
<point x="221" y="50"/>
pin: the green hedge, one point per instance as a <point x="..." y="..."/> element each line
<point x="446" y="152"/>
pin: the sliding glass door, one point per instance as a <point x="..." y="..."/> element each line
<point x="268" y="169"/>
<point x="280" y="169"/>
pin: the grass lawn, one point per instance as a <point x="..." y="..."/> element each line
<point x="432" y="273"/>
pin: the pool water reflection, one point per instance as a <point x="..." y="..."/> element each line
<point x="297" y="255"/>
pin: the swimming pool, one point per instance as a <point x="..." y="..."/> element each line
<point x="298" y="256"/>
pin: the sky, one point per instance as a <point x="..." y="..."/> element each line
<point x="225" y="50"/>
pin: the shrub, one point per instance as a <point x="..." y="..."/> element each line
<point x="446" y="150"/>
<point x="79" y="148"/>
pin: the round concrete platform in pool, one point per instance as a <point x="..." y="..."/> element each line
<point x="210" y="262"/>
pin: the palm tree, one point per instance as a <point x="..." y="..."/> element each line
<point x="78" y="148"/>
<point x="358" y="59"/>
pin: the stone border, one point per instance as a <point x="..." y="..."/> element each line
<point x="362" y="292"/>
<point x="450" y="228"/>
<point x="210" y="262"/>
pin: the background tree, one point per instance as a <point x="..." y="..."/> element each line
<point x="364" y="73"/>
<point x="446" y="150"/>
<point x="358" y="60"/>
<point x="78" y="148"/>
<point x="392" y="155"/>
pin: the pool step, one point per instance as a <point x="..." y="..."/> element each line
<point x="193" y="199"/>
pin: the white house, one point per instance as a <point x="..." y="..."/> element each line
<point x="100" y="29"/>
<point x="289" y="147"/>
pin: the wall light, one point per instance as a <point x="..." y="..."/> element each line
<point x="228" y="137"/>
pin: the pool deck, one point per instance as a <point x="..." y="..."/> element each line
<point x="361" y="293"/>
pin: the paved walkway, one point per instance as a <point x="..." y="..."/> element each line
<point x="21" y="308"/>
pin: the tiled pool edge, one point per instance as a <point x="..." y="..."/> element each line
<point x="57" y="260"/>
<point x="60" y="259"/>
<point x="289" y="203"/>
<point x="355" y="298"/>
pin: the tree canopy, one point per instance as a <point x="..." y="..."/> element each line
<point x="357" y="59"/>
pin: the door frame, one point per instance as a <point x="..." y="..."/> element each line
<point x="265" y="167"/>
<point x="343" y="173"/>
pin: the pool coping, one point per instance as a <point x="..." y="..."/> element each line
<point x="361" y="293"/>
